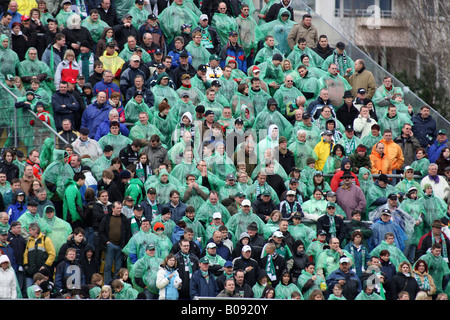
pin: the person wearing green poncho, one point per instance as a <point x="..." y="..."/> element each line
<point x="139" y="14"/>
<point x="408" y="182"/>
<point x="163" y="186"/>
<point x="384" y="94"/>
<point x="144" y="270"/>
<point x="435" y="207"/>
<point x="328" y="260"/>
<point x="135" y="249"/>
<point x="163" y="242"/>
<point x="239" y="222"/>
<point x="272" y="117"/>
<point x="95" y="25"/>
<point x="191" y="100"/>
<point x="103" y="162"/>
<point x="258" y="96"/>
<point x="297" y="55"/>
<point x="336" y="85"/>
<point x="135" y="106"/>
<point x="219" y="163"/>
<point x="308" y="84"/>
<point x="286" y="94"/>
<point x="31" y="216"/>
<point x="300" y="231"/>
<point x="286" y="287"/>
<point x="206" y="211"/>
<point x="393" y="120"/>
<point x="396" y="255"/>
<point x="58" y="229"/>
<point x="10" y="59"/>
<point x="249" y="32"/>
<point x="437" y="266"/>
<point x="165" y="219"/>
<point x="309" y="280"/>
<point x="123" y="290"/>
<point x="349" y="141"/>
<point x="368" y="293"/>
<point x="162" y="91"/>
<point x="279" y="29"/>
<point x="372" y="138"/>
<point x="420" y="165"/>
<point x="143" y="129"/>
<point x="115" y="139"/>
<point x="223" y="23"/>
<point x="314" y="208"/>
<point x="313" y="133"/>
<point x="175" y="15"/>
<point x="271" y="73"/>
<point x="200" y="55"/>
<point x="344" y="64"/>
<point x="267" y="51"/>
<point x="129" y="49"/>
<point x="175" y="153"/>
<point x="64" y="14"/>
<point x="32" y="67"/>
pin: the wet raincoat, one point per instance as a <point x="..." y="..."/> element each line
<point x="56" y="174"/>
<point x="279" y="29"/>
<point x="172" y="17"/>
<point x="249" y="34"/>
<point x="9" y="59"/>
<point x="223" y="23"/>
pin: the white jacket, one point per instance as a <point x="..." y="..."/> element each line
<point x="8" y="284"/>
<point x="162" y="281"/>
<point x="362" y="127"/>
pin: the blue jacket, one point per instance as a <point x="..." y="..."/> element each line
<point x="103" y="129"/>
<point x="201" y="288"/>
<point x="60" y="113"/>
<point x="435" y="150"/>
<point x="424" y="129"/>
<point x="175" y="54"/>
<point x="15" y="210"/>
<point x="178" y="211"/>
<point x="106" y="87"/>
<point x="352" y="284"/>
<point x="235" y="52"/>
<point x="93" y="116"/>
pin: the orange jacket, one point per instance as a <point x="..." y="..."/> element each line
<point x="394" y="153"/>
<point x="380" y="163"/>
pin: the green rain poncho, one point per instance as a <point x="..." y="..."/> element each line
<point x="305" y="277"/>
<point x="27" y="218"/>
<point x="285" y="96"/>
<point x="279" y="29"/>
<point x="163" y="245"/>
<point x="59" y="230"/>
<point x="269" y="73"/>
<point x="283" y="291"/>
<point x="376" y="192"/>
<point x="228" y="87"/>
<point x="127" y="293"/>
<point x="249" y="34"/>
<point x="122" y="7"/>
<point x="295" y="56"/>
<point x="405" y="184"/>
<point x="239" y="100"/>
<point x="118" y="142"/>
<point x="435" y="208"/>
<point x="396" y="256"/>
<point x="239" y="222"/>
<point x="164" y="92"/>
<point x="416" y="210"/>
<point x="146" y="269"/>
<point x="312" y="134"/>
<point x="308" y="85"/>
<point x="420" y="166"/>
<point x="223" y="23"/>
<point x="342" y="61"/>
<point x="139" y="16"/>
<point x="172" y="17"/>
<point x="256" y="189"/>
<point x="162" y="189"/>
<point x="56" y="174"/>
<point x="269" y="228"/>
<point x="169" y="225"/>
<point x="336" y="85"/>
<point x="321" y="124"/>
<point x="199" y="230"/>
<point x="438" y="269"/>
<point x="328" y="261"/>
<point x="221" y="165"/>
<point x="200" y="55"/>
<point x="313" y="210"/>
<point x="10" y="59"/>
<point x="315" y="249"/>
<point x="30" y="68"/>
<point x="135" y="189"/>
<point x="206" y="210"/>
<point x="266" y="53"/>
<point x="100" y="164"/>
<point x="63" y="17"/>
<point x="141" y="131"/>
<point x="379" y="98"/>
<point x="370" y="140"/>
<point x="303" y="233"/>
<point x="267" y="117"/>
<point x="96" y="28"/>
<point x="395" y="123"/>
<point x="135" y="248"/>
<point x="259" y="99"/>
<point x="126" y="54"/>
<point x="133" y="108"/>
<point x="182" y="169"/>
<point x="365" y="296"/>
<point x="195" y="96"/>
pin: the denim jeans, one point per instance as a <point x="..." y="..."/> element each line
<point x="113" y="256"/>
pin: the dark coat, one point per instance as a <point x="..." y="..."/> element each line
<point x="200" y="288"/>
<point x="323" y="223"/>
<point x="104" y="230"/>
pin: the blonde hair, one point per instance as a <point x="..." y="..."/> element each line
<point x="105" y="288"/>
